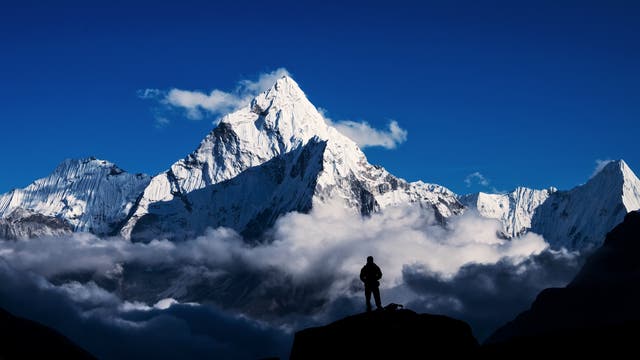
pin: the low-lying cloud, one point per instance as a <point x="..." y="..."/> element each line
<point x="489" y="295"/>
<point x="306" y="274"/>
<point x="111" y="328"/>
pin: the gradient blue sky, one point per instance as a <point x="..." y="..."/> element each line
<point x="525" y="92"/>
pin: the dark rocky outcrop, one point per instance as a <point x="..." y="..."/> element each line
<point x="599" y="311"/>
<point x="388" y="334"/>
<point x="25" y="224"/>
<point x="25" y="339"/>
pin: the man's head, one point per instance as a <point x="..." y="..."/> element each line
<point x="369" y="259"/>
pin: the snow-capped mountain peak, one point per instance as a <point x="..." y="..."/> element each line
<point x="631" y="187"/>
<point x="279" y="123"/>
<point x="90" y="194"/>
<point x="514" y="209"/>
<point x="581" y="217"/>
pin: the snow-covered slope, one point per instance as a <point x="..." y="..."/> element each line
<point x="581" y="217"/>
<point x="89" y="194"/>
<point x="514" y="209"/>
<point x="278" y="124"/>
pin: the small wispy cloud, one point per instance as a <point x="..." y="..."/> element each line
<point x="600" y="164"/>
<point x="196" y="105"/>
<point x="367" y="136"/>
<point x="148" y="93"/>
<point x="476" y="178"/>
<point x="161" y="122"/>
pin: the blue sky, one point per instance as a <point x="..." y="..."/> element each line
<point x="524" y="93"/>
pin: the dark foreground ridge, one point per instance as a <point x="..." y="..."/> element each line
<point x="598" y="312"/>
<point x="388" y="334"/>
<point x="25" y="339"/>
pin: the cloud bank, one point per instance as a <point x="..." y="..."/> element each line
<point x="260" y="293"/>
<point x="110" y="328"/>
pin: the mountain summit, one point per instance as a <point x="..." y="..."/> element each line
<point x="575" y="219"/>
<point x="582" y="216"/>
<point x="273" y="156"/>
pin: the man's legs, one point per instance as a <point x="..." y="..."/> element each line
<point x="376" y="297"/>
<point x="367" y="295"/>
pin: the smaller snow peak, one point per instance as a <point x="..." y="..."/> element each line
<point x="77" y="163"/>
<point x="615" y="169"/>
<point x="621" y="169"/>
<point x="614" y="165"/>
<point x="626" y="170"/>
<point x="89" y="164"/>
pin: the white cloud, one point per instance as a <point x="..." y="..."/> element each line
<point x="301" y="247"/>
<point x="264" y="82"/>
<point x="476" y="177"/>
<point x="149" y="93"/>
<point x="197" y="104"/>
<point x="366" y="136"/>
<point x="162" y="121"/>
<point x="194" y="102"/>
<point x="600" y="164"/>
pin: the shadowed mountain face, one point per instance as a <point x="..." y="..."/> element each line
<point x="251" y="201"/>
<point x="597" y="311"/>
<point x="398" y="334"/>
<point x="25" y="339"/>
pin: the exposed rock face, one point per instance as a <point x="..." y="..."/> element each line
<point x="397" y="334"/>
<point x="598" y="310"/>
<point x="25" y="224"/>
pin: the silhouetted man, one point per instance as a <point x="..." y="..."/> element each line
<point x="370" y="274"/>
